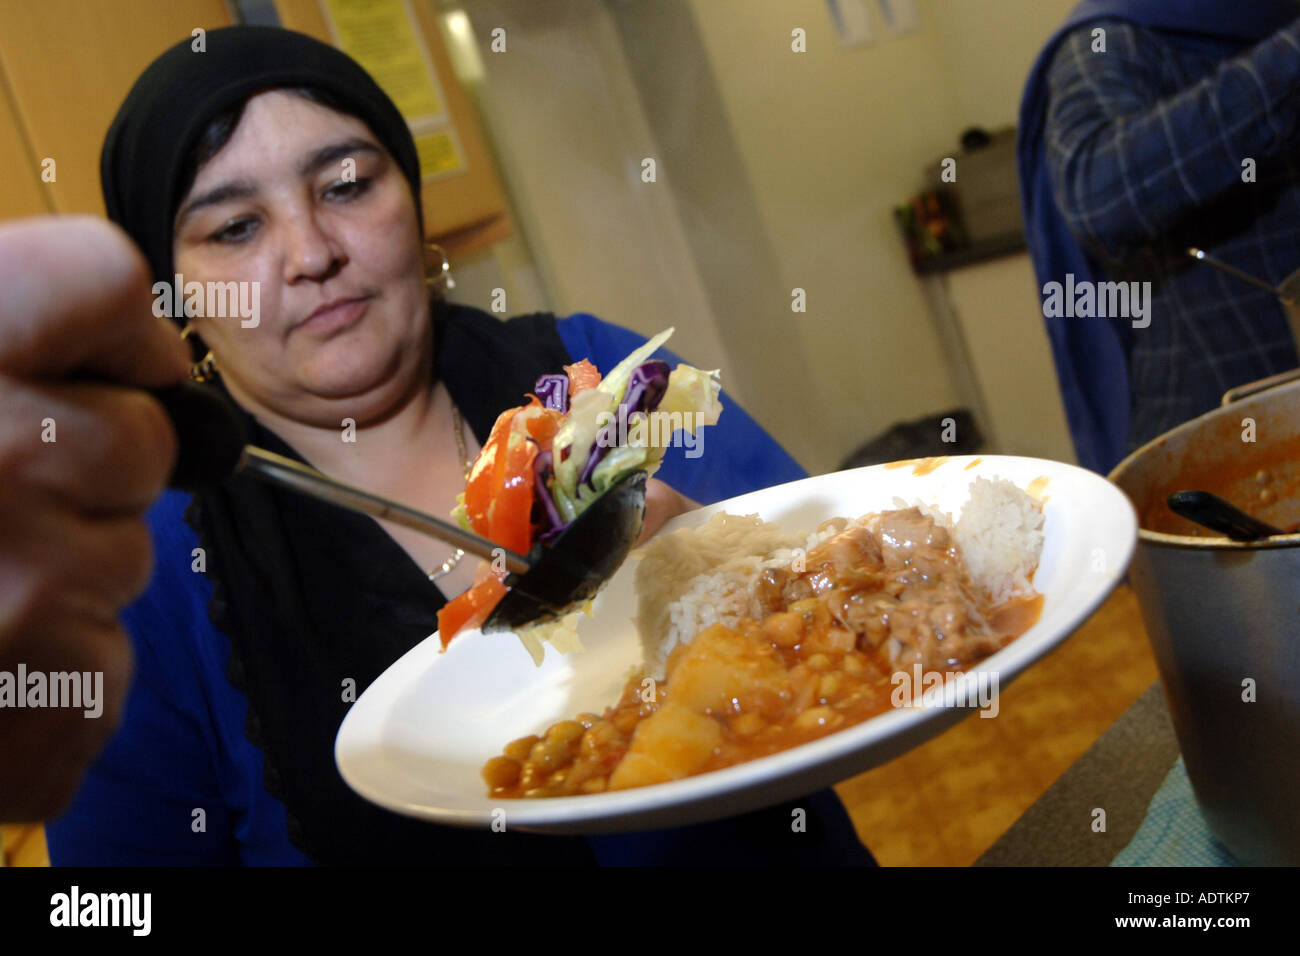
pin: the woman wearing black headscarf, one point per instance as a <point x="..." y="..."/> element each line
<point x="225" y="165"/>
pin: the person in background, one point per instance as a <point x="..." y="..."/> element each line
<point x="240" y="662"/>
<point x="1147" y="127"/>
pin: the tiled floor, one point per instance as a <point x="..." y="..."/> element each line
<point x="23" y="846"/>
<point x="946" y="802"/>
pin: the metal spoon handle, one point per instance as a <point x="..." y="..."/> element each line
<point x="1203" y="256"/>
<point x="288" y="473"/>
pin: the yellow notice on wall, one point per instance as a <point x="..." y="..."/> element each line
<point x="440" y="154"/>
<point x="382" y="36"/>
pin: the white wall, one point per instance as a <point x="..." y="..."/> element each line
<point x="986" y="48"/>
<point x="832" y="139"/>
<point x="568" y="130"/>
<point x="1001" y="321"/>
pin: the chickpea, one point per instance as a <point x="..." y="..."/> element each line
<point x="565" y="732"/>
<point x="531" y="777"/>
<point x="784" y="628"/>
<point x="828" y="686"/>
<point x="838" y="640"/>
<point x="548" y="755"/>
<point x="501" y="772"/>
<point x="854" y="665"/>
<point x="519" y="749"/>
<point x="625" y="721"/>
<point x="807" y="608"/>
<point x="599" y="738"/>
<point x="819" y="662"/>
<point x="746" y="725"/>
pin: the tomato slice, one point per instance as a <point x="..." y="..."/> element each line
<point x="510" y="514"/>
<point x="499" y="499"/>
<point x="470" y="609"/>
<point x="582" y="376"/>
<point x="486" y="474"/>
<point x="499" y="491"/>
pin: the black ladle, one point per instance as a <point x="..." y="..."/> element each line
<point x="1211" y="511"/>
<point x="567" y="573"/>
<point x="545" y="583"/>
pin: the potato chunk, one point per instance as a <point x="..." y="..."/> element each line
<point x="671" y="743"/>
<point x="726" y="671"/>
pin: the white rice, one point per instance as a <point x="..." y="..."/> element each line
<point x="1000" y="535"/>
<point x="695" y="577"/>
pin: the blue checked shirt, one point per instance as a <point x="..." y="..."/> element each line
<point x="1145" y="145"/>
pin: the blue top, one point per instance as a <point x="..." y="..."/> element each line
<point x="1128" y="155"/>
<point x="180" y="783"/>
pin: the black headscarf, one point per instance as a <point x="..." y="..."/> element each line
<point x="174" y="99"/>
<point x="308" y="595"/>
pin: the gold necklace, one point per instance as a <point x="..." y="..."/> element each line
<point x="459" y="424"/>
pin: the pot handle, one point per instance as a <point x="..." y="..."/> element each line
<point x="1262" y="385"/>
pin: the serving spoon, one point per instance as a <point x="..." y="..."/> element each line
<point x="544" y="584"/>
<point x="1211" y="511"/>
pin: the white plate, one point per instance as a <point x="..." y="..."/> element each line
<point x="418" y="736"/>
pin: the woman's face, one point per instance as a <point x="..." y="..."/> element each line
<point x="277" y="206"/>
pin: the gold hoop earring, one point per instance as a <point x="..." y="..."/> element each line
<point x="205" y="368"/>
<point x="438" y="278"/>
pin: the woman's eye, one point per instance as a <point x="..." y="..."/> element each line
<point x="235" y="232"/>
<point x="347" y="190"/>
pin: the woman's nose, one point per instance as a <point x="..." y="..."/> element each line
<point x="310" y="251"/>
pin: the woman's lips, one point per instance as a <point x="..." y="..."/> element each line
<point x="335" y="318"/>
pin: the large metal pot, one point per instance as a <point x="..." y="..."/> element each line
<point x="1224" y="617"/>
